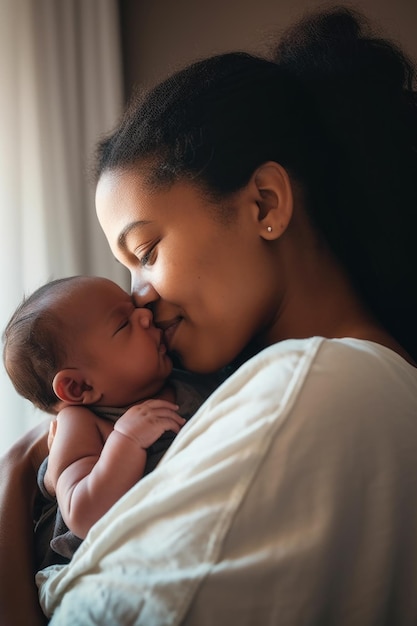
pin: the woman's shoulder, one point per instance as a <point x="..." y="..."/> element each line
<point x="311" y="391"/>
<point x="333" y="358"/>
<point x="338" y="379"/>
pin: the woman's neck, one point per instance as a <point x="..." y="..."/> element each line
<point x="321" y="301"/>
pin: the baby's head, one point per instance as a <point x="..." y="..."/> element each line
<point x="81" y="340"/>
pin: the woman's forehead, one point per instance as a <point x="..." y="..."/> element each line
<point x="125" y="198"/>
<point x="116" y="185"/>
<point x="121" y="198"/>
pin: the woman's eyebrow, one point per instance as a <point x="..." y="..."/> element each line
<point x="121" y="240"/>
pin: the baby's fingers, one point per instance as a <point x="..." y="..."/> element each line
<point x="148" y="421"/>
<point x="170" y="417"/>
<point x="158" y="403"/>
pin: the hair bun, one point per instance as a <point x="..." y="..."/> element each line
<point x="338" y="46"/>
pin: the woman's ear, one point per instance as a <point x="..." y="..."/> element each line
<point x="70" y="386"/>
<point x="274" y="199"/>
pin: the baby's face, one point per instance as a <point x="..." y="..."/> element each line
<point x="119" y="349"/>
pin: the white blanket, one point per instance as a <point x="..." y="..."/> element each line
<point x="281" y="502"/>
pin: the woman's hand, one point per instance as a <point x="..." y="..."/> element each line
<point x="18" y="470"/>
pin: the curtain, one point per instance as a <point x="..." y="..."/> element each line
<point x="60" y="90"/>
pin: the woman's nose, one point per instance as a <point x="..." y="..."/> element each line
<point x="143" y="293"/>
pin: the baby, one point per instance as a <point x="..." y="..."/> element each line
<point x="79" y="348"/>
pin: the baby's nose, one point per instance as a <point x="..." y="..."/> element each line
<point x="145" y="317"/>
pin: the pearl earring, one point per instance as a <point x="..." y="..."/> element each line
<point x="269" y="229"/>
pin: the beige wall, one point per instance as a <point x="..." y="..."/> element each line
<point x="160" y="36"/>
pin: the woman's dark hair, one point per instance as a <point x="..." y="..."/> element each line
<point x="336" y="107"/>
<point x="33" y="351"/>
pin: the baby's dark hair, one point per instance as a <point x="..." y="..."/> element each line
<point x="33" y="351"/>
<point x="335" y="105"/>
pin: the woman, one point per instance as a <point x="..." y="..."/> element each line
<point x="266" y="209"/>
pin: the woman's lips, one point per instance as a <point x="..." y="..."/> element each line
<point x="169" y="328"/>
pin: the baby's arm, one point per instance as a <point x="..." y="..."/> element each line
<point x="92" y="464"/>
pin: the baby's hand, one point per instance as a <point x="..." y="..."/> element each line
<point x="146" y="422"/>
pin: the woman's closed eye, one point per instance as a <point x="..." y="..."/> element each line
<point x="148" y="257"/>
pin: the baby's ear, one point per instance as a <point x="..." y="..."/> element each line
<point x="70" y="386"/>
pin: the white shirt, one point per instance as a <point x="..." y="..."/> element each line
<point x="290" y="499"/>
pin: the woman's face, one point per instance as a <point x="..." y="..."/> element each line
<point x="208" y="282"/>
